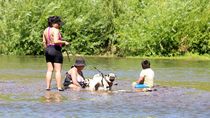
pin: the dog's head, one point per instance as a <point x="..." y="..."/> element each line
<point x="110" y="78"/>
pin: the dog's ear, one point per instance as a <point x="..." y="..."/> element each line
<point x="112" y="74"/>
<point x="115" y="75"/>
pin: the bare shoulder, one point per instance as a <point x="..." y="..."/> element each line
<point x="73" y="70"/>
<point x="45" y="31"/>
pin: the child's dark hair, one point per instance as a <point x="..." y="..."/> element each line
<point x="145" y="64"/>
<point x="53" y="19"/>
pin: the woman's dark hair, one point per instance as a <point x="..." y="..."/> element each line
<point x="54" y="19"/>
<point x="145" y="64"/>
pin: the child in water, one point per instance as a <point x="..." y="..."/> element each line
<point x="146" y="78"/>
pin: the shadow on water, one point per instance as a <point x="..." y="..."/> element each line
<point x="182" y="90"/>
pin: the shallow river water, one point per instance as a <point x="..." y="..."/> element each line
<point x="183" y="90"/>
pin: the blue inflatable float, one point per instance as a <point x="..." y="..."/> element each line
<point x="141" y="86"/>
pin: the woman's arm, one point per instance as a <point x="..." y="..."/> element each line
<point x="44" y="41"/>
<point x="74" y="77"/>
<point x="56" y="38"/>
<point x="140" y="80"/>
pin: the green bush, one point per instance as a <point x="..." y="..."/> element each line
<point x="111" y="27"/>
<point x="164" y="27"/>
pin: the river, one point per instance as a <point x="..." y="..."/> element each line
<point x="183" y="90"/>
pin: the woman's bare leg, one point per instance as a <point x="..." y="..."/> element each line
<point x="57" y="67"/>
<point x="49" y="74"/>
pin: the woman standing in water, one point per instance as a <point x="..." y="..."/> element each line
<point x="52" y="41"/>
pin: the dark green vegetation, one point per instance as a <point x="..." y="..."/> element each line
<point x="109" y="27"/>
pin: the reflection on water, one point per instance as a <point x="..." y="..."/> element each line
<point x="53" y="97"/>
<point x="183" y="90"/>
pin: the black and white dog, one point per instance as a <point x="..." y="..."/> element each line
<point x="101" y="82"/>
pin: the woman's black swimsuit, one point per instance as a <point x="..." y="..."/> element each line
<point x="53" y="54"/>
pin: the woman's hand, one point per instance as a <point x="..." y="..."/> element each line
<point x="66" y="43"/>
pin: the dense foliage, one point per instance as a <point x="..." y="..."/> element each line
<point x="112" y="27"/>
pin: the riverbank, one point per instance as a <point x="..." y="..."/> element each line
<point x="191" y="57"/>
<point x="183" y="57"/>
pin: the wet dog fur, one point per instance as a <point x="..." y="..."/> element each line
<point x="101" y="82"/>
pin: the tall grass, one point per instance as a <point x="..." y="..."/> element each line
<point x="113" y="27"/>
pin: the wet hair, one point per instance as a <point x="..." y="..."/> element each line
<point x="145" y="64"/>
<point x="54" y="19"/>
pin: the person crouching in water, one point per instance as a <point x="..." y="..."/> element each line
<point x="74" y="77"/>
<point x="146" y="78"/>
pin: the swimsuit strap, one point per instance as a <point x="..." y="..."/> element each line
<point x="49" y="33"/>
<point x="68" y="75"/>
<point x="60" y="37"/>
